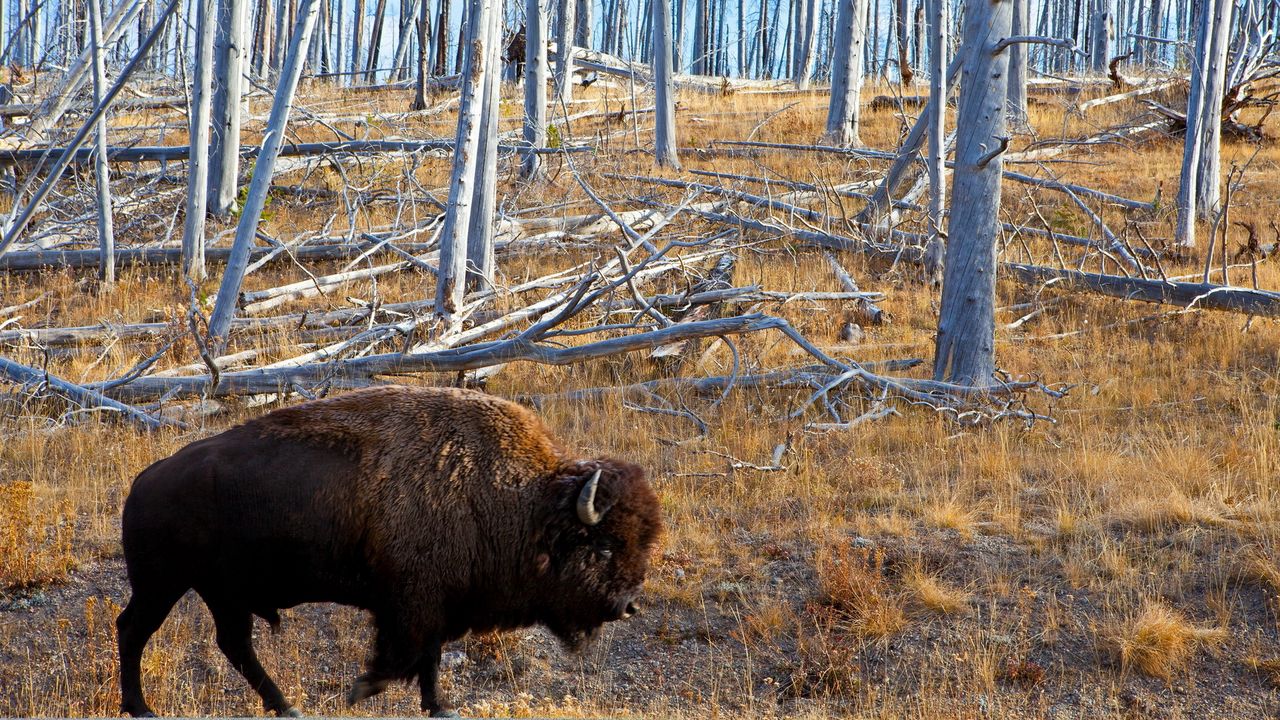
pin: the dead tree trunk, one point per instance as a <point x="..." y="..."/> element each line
<point x="261" y="49"/>
<point x="1101" y="26"/>
<point x="224" y="310"/>
<point x="535" y="87"/>
<point x="844" y="111"/>
<point x="1017" y="89"/>
<point x="585" y="16"/>
<point x="106" y="233"/>
<point x="408" y="21"/>
<point x="966" y="322"/>
<point x="480" y="235"/>
<point x="228" y="96"/>
<point x="357" y="37"/>
<point x="442" y="38"/>
<point x="424" y="56"/>
<point x="198" y="158"/>
<point x="450" y="283"/>
<point x="375" y="41"/>
<point x="934" y="253"/>
<point x="664" y="143"/>
<point x="1214" y="17"/>
<point x="803" y="40"/>
<point x="1208" y="189"/>
<point x="564" y="50"/>
<point x="901" y="11"/>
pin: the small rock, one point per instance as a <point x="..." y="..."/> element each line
<point x="453" y="659"/>
<point x="852" y="333"/>
<point x="862" y="542"/>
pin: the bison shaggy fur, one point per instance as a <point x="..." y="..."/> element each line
<point x="440" y="511"/>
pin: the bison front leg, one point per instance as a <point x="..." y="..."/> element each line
<point x="393" y="659"/>
<point x="235" y="639"/>
<point x="429" y="682"/>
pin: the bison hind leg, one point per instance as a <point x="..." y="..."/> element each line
<point x="235" y="640"/>
<point x="148" y="607"/>
<point x="366" y="686"/>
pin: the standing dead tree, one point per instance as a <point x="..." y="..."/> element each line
<point x="564" y="50"/>
<point x="966" y="322"/>
<point x="198" y="158"/>
<point x="664" y="143"/>
<point x="247" y="228"/>
<point x="229" y="64"/>
<point x="106" y="232"/>
<point x="844" y="110"/>
<point x="1203" y="120"/>
<point x="468" y="181"/>
<point x="535" y="86"/>
<point x="934" y="254"/>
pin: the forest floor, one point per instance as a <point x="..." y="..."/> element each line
<point x="1121" y="561"/>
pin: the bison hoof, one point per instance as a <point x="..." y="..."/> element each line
<point x="365" y="688"/>
<point x="290" y="712"/>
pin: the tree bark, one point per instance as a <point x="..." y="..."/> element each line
<point x="1017" y="87"/>
<point x="901" y="11"/>
<point x="535" y="87"/>
<point x="1213" y="14"/>
<point x="934" y="254"/>
<point x="805" y="34"/>
<point x="966" y="323"/>
<point x="246" y="229"/>
<point x="357" y="38"/>
<point x="450" y="283"/>
<point x="1208" y="190"/>
<point x="844" y="111"/>
<point x="228" y="97"/>
<point x="375" y="41"/>
<point x="198" y="158"/>
<point x="564" y="50"/>
<point x="424" y="56"/>
<point x="480" y="235"/>
<point x="1101" y="27"/>
<point x="664" y="143"/>
<point x="106" y="233"/>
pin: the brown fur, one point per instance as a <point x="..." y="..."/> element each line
<point x="442" y="511"/>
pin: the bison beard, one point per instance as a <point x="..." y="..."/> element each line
<point x="440" y="511"/>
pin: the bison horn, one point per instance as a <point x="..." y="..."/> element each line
<point x="587" y="502"/>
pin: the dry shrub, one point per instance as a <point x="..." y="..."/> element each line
<point x="856" y="594"/>
<point x="854" y="603"/>
<point x="1158" y="640"/>
<point x="828" y="662"/>
<point x="934" y="595"/>
<point x="35" y="538"/>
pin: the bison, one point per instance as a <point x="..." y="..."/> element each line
<point x="440" y="511"/>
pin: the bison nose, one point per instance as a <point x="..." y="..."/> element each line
<point x="632" y="609"/>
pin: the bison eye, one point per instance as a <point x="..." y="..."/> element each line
<point x="605" y="554"/>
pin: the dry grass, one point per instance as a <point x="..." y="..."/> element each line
<point x="1158" y="640"/>
<point x="903" y="569"/>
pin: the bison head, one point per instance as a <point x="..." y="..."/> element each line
<point x="603" y="523"/>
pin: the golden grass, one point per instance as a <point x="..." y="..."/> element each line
<point x="1158" y="640"/>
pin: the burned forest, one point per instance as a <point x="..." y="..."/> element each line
<point x="944" y="330"/>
